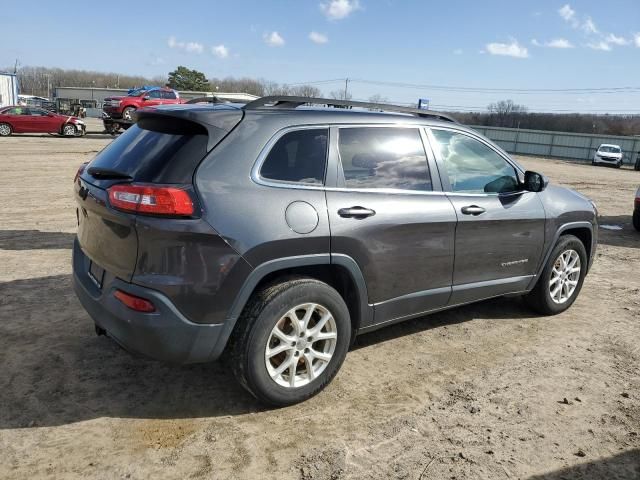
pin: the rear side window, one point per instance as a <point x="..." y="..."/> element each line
<point x="153" y="156"/>
<point x="154" y="94"/>
<point x="298" y="157"/>
<point x="384" y="157"/>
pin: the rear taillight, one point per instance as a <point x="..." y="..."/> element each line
<point x="135" y="303"/>
<point x="152" y="199"/>
<point x="79" y="172"/>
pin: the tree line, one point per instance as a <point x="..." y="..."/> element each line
<point x="508" y="114"/>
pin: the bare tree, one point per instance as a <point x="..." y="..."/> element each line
<point x="340" y="95"/>
<point x="506" y="112"/>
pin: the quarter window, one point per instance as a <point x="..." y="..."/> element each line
<point x="473" y="167"/>
<point x="384" y="157"/>
<point x="299" y="157"/>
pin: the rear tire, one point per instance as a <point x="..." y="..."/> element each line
<point x="545" y="298"/>
<point x="636" y="220"/>
<point x="5" y="130"/>
<point x="266" y="326"/>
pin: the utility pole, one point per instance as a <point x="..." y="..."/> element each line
<point x="346" y="88"/>
<point x="15" y="67"/>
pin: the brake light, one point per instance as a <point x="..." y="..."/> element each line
<point x="135" y="303"/>
<point x="79" y="172"/>
<point x="151" y="199"/>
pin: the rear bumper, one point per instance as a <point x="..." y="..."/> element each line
<point x="164" y="335"/>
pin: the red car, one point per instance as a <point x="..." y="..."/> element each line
<point x="123" y="107"/>
<point x="19" y="119"/>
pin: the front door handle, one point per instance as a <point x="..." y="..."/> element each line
<point x="472" y="210"/>
<point x="356" y="212"/>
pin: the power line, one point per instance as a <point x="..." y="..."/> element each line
<point x="488" y="90"/>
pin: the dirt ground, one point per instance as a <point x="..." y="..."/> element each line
<point x="487" y="391"/>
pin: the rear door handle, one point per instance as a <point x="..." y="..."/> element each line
<point x="356" y="212"/>
<point x="472" y="210"/>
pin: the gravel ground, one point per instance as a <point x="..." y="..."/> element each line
<point x="486" y="391"/>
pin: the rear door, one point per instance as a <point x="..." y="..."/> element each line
<point x="390" y="215"/>
<point x="20" y="119"/>
<point x="500" y="232"/>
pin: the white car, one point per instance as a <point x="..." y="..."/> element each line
<point x="608" y="155"/>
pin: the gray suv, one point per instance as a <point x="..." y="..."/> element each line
<point x="273" y="233"/>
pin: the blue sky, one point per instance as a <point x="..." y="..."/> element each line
<point x="491" y="44"/>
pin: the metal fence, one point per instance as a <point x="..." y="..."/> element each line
<point x="574" y="146"/>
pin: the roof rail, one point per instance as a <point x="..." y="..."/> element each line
<point x="212" y="99"/>
<point x="293" y="102"/>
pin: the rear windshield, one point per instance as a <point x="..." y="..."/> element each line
<point x="607" y="149"/>
<point x="154" y="157"/>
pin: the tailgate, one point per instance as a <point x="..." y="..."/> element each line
<point x="106" y="236"/>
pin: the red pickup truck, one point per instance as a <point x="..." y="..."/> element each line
<point x="123" y="107"/>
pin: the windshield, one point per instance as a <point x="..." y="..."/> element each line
<point x="137" y="92"/>
<point x="607" y="149"/>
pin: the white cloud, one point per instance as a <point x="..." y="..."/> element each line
<point x="191" y="47"/>
<point x="604" y="46"/>
<point x="273" y="39"/>
<point x="339" y="9"/>
<point x="457" y="51"/>
<point x="555" y="43"/>
<point x="589" y="27"/>
<point x="318" y="38"/>
<point x="611" y="38"/>
<point x="636" y="39"/>
<point x="513" y="49"/>
<point x="569" y="15"/>
<point x="559" y="43"/>
<point x="220" y="51"/>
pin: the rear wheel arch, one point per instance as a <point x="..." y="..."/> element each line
<point x="338" y="271"/>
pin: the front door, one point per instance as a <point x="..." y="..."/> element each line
<point x="390" y="216"/>
<point x="500" y="232"/>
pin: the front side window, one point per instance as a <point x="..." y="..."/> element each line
<point x="298" y="157"/>
<point x="473" y="167"/>
<point x="384" y="157"/>
<point x="168" y="94"/>
<point x="38" y="112"/>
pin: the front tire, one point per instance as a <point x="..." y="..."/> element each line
<point x="290" y="341"/>
<point x="127" y="114"/>
<point x="636" y="220"/>
<point x="69" y="130"/>
<point x="5" y="130"/>
<point x="562" y="277"/>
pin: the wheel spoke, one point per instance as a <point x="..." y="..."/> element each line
<point x="283" y="366"/>
<point x="282" y="336"/>
<point x="292" y="371"/>
<point x="325" y="357"/>
<point x="308" y="360"/>
<point x="320" y="325"/>
<point x="574" y="270"/>
<point x="283" y="347"/>
<point x="325" y="336"/>
<point x="553" y="280"/>
<point x="311" y="307"/>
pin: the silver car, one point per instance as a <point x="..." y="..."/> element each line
<point x="608" y="154"/>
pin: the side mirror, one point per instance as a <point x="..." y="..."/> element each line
<point x="50" y="114"/>
<point x="146" y="97"/>
<point x="534" y="181"/>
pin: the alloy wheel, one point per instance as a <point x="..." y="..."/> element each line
<point x="301" y="345"/>
<point x="564" y="276"/>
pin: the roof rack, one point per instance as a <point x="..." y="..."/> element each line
<point x="293" y="102"/>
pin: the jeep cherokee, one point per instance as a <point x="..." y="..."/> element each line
<point x="274" y="233"/>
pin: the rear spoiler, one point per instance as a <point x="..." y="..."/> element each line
<point x="182" y="120"/>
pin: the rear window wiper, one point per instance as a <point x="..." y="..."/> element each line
<point x="108" y="173"/>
